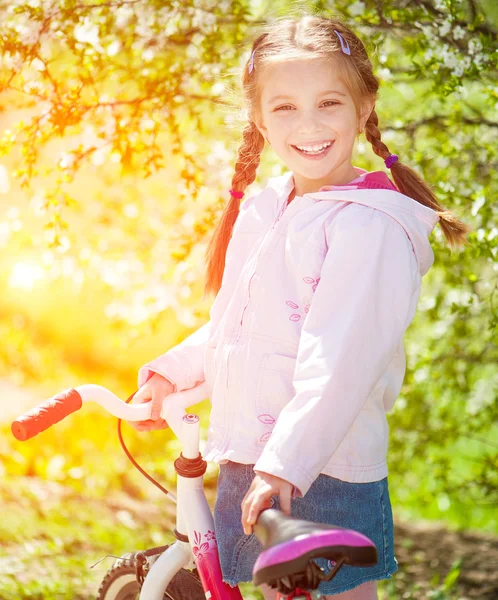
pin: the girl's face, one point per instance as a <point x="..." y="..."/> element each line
<point x="313" y="107"/>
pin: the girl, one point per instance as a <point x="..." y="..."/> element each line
<point x="316" y="280"/>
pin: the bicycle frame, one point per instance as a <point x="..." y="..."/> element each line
<point x="194" y="519"/>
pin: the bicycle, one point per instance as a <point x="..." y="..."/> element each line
<point x="189" y="569"/>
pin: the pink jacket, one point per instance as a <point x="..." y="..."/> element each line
<point x="303" y="353"/>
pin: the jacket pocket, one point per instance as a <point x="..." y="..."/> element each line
<point x="276" y="390"/>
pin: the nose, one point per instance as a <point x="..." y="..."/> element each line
<point x="309" y="123"/>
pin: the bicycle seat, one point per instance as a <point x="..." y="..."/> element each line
<point x="289" y="544"/>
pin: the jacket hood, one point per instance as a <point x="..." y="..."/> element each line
<point x="376" y="190"/>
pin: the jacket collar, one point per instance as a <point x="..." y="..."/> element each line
<point x="365" y="180"/>
<point x="376" y="190"/>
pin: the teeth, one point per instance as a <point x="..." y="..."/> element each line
<point x="314" y="148"/>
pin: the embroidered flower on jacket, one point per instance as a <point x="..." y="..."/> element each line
<point x="313" y="281"/>
<point x="266" y="420"/>
<point x="306" y="302"/>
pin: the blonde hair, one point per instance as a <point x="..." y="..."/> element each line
<point x="312" y="37"/>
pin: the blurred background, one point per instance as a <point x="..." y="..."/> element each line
<point x="119" y="128"/>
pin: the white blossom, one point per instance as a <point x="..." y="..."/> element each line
<point x="482" y="395"/>
<point x="480" y="58"/>
<point x="428" y="31"/>
<point x="225" y="6"/>
<point x="37" y="64"/>
<point x="458" y="71"/>
<point x="12" y="62"/>
<point x="33" y="87"/>
<point x="31" y="34"/>
<point x="66" y="160"/>
<point x="458" y="33"/>
<point x="385" y="73"/>
<point x="123" y="15"/>
<point x="88" y="32"/>
<point x="448" y="56"/>
<point x="444" y="27"/>
<point x="113" y="48"/>
<point x="475" y="45"/>
<point x="146" y="18"/>
<point x="358" y="8"/>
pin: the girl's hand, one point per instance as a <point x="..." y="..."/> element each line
<point x="154" y="390"/>
<point x="263" y="487"/>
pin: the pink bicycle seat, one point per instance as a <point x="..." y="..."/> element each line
<point x="289" y="544"/>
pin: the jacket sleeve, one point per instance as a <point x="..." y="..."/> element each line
<point x="360" y="310"/>
<point x="183" y="365"/>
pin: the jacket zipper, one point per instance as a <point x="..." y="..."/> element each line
<point x="249" y="288"/>
<point x="226" y="442"/>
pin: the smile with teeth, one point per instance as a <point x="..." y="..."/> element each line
<point x="318" y="149"/>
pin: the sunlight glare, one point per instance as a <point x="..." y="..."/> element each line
<point x="24" y="275"/>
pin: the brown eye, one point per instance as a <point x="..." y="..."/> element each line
<point x="286" y="105"/>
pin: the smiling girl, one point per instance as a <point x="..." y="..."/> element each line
<point x="316" y="278"/>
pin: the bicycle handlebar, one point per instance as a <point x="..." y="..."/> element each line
<point x="56" y="408"/>
<point x="44" y="415"/>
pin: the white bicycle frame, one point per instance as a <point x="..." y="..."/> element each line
<point x="193" y="517"/>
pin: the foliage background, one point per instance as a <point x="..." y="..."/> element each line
<point x="119" y="127"/>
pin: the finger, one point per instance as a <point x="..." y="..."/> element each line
<point x="159" y="424"/>
<point x="246" y="505"/>
<point x="142" y="425"/>
<point x="149" y="424"/>
<point x="260" y="500"/>
<point x="143" y="395"/>
<point x="137" y="427"/>
<point x="255" y="508"/>
<point x="157" y="404"/>
<point x="145" y="424"/>
<point x="285" y="500"/>
<point x="248" y="493"/>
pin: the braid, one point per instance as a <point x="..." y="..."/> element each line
<point x="248" y="159"/>
<point x="372" y="134"/>
<point x="411" y="184"/>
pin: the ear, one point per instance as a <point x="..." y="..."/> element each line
<point x="258" y="121"/>
<point x="366" y="109"/>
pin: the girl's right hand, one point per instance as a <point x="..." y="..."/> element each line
<point x="154" y="390"/>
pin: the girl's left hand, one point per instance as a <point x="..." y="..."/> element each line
<point x="263" y="487"/>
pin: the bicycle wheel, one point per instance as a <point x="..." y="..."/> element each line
<point x="120" y="582"/>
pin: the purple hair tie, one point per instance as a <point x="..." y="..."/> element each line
<point x="390" y="160"/>
<point x="236" y="194"/>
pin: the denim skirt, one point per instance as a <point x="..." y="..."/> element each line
<point x="364" y="507"/>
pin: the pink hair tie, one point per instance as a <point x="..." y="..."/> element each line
<point x="236" y="194"/>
